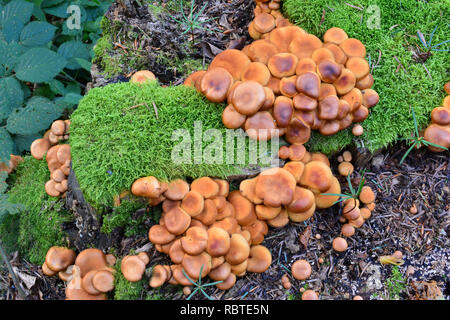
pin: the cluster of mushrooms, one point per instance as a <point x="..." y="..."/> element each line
<point x="89" y="275"/>
<point x="288" y="82"/>
<point x="57" y="156"/>
<point x="438" y="132"/>
<point x="205" y="225"/>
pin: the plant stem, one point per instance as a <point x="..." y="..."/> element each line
<point x="11" y="272"/>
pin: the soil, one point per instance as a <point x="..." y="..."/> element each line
<point x="422" y="180"/>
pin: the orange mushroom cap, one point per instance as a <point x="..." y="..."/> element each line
<point x="142" y="76"/>
<point x="275" y="186"/>
<point x="282" y="64"/>
<point x="234" y="61"/>
<point x="248" y="97"/>
<point x="215" y="84"/>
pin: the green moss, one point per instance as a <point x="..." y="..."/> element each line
<point x="39" y="224"/>
<point x="184" y="66"/>
<point x="391" y="119"/>
<point x="122" y="217"/>
<point x="9" y="232"/>
<point x="116" y="137"/>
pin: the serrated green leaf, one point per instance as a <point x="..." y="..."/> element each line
<point x="19" y="10"/>
<point x="6" y="145"/>
<point x="23" y="143"/>
<point x="37" y="33"/>
<point x="71" y="50"/>
<point x="11" y="96"/>
<point x="37" y="116"/>
<point x="39" y="65"/>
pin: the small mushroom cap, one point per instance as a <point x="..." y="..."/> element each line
<point x="177" y="221"/>
<point x="295" y="168"/>
<point x="160" y="235"/>
<point x="248" y="97"/>
<point x="353" y="48"/>
<point x="91" y="259"/>
<point x="282" y="110"/>
<point x="345" y="82"/>
<point x="328" y="108"/>
<point x="59" y="258"/>
<point x="359" y="66"/>
<point x="345" y="168"/>
<point x="179" y="277"/>
<point x="148" y="187"/>
<point x="328" y="70"/>
<point x="193" y="78"/>
<point x="339" y="55"/>
<point x="367" y="195"/>
<point x="218" y="242"/>
<point x="58" y="127"/>
<point x="304" y="102"/>
<point x="360" y="114"/>
<point x="357" y="130"/>
<point x="193" y="264"/>
<point x="326" y="201"/>
<point x="142" y="76"/>
<point x="309" y="84"/>
<point x="282" y="64"/>
<point x="215" y="84"/>
<point x="257" y="71"/>
<point x="261" y="126"/>
<point x="57" y="175"/>
<point x="354" y="98"/>
<point x="255" y="35"/>
<point x="447" y="87"/>
<point x="234" y="61"/>
<point x="282" y="37"/>
<point x="132" y="268"/>
<point x="283" y="152"/>
<point x="239" y="250"/>
<point x="264" y="23"/>
<point x="304" y="45"/>
<point x="302" y="216"/>
<point x="305" y="65"/>
<point x="302" y="201"/>
<point x="266" y="213"/>
<point x="229" y="224"/>
<point x="340" y="244"/>
<point x="280" y="220"/>
<point x="103" y="281"/>
<point x="296" y="151"/>
<point x="441" y="116"/>
<point x="317" y="176"/>
<point x="365" y="83"/>
<point x="193" y="203"/>
<point x="176" y="252"/>
<point x="209" y="214"/>
<point x="275" y="186"/>
<point x="227" y="283"/>
<point x="47" y="271"/>
<point x="176" y="190"/>
<point x="50" y="188"/>
<point x="370" y="98"/>
<point x="39" y="147"/>
<point x="322" y="54"/>
<point x="310" y="295"/>
<point x="259" y="260"/>
<point x="262" y="51"/>
<point x="227" y="211"/>
<point x="287" y="86"/>
<point x="247" y="189"/>
<point x="270" y="99"/>
<point x="298" y="131"/>
<point x="258" y="229"/>
<point x="195" y="240"/>
<point x="75" y="291"/>
<point x="159" y="276"/>
<point x="347" y="230"/>
<point x="439" y="135"/>
<point x="220" y="273"/>
<point x="365" y="213"/>
<point x="167" y="204"/>
<point x="301" y="269"/>
<point x="243" y="208"/>
<point x="274" y="85"/>
<point x="335" y="35"/>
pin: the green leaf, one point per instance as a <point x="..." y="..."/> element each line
<point x="57" y="86"/>
<point x="23" y="143"/>
<point x="86" y="65"/>
<point x="12" y="29"/>
<point x="11" y="96"/>
<point x="6" y="145"/>
<point x="19" y="10"/>
<point x="39" y="65"/>
<point x="37" y="33"/>
<point x="72" y="98"/>
<point x="39" y="14"/>
<point x="72" y="50"/>
<point x="37" y="116"/>
<point x="50" y="3"/>
<point x="59" y="10"/>
<point x="7" y="207"/>
<point x="9" y="53"/>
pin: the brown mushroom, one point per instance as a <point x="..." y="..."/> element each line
<point x="264" y="23"/>
<point x="234" y="61"/>
<point x="248" y="97"/>
<point x="215" y="84"/>
<point x="259" y="260"/>
<point x="287" y="86"/>
<point x="345" y="82"/>
<point x="301" y="269"/>
<point x="148" y="187"/>
<point x="239" y="250"/>
<point x="353" y="48"/>
<point x="439" y="135"/>
<point x="340" y="244"/>
<point x="304" y="45"/>
<point x="177" y="221"/>
<point x="359" y="66"/>
<point x="257" y="71"/>
<point x="317" y="176"/>
<point x="282" y="64"/>
<point x="335" y="35"/>
<point x="260" y="126"/>
<point x="194" y="242"/>
<point x="39" y="147"/>
<point x="142" y="76"/>
<point x="283" y="110"/>
<point x="309" y="84"/>
<point x="218" y="242"/>
<point x="305" y="65"/>
<point x="328" y="70"/>
<point x="275" y="186"/>
<point x="160" y="235"/>
<point x="262" y="51"/>
<point x="282" y="37"/>
<point x="310" y="295"/>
